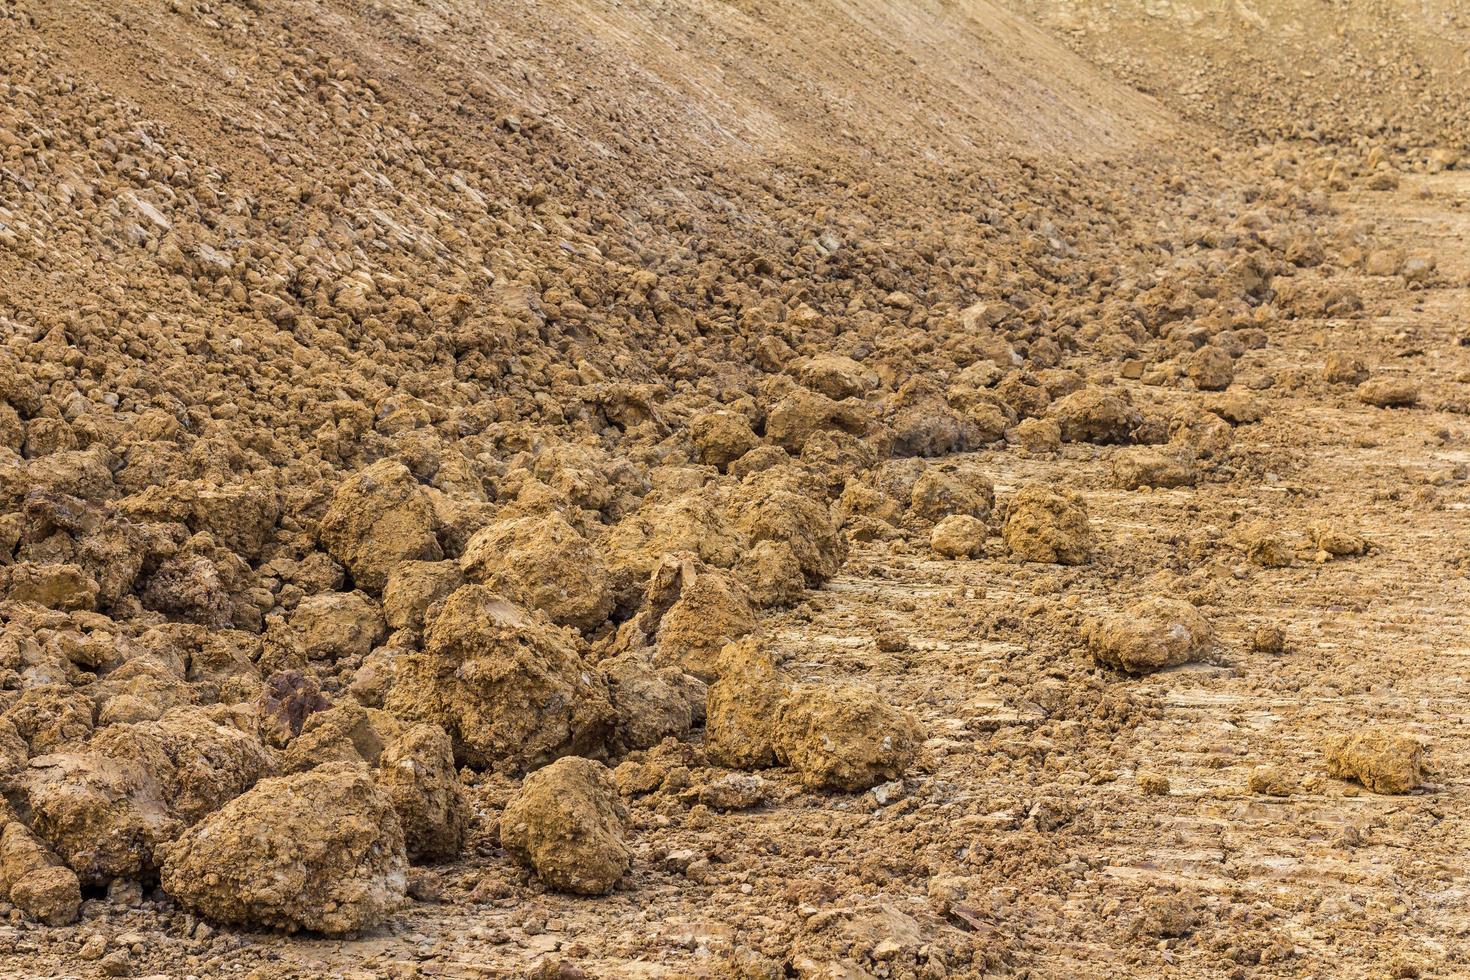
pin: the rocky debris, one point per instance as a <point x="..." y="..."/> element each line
<point x="1046" y="525"/>
<point x="512" y="689"/>
<point x="34" y="880"/>
<point x="1388" y="393"/>
<point x="544" y="563"/>
<point x="1151" y="635"/>
<point x="319" y="850"/>
<point x="568" y="824"/>
<point x="959" y="536"/>
<point x="377" y="518"/>
<point x="1384" y="761"/>
<point x="1144" y="467"/>
<point x="1153" y="784"/>
<point x="844" y="737"/>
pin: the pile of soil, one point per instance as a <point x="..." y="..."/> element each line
<point x="430" y="436"/>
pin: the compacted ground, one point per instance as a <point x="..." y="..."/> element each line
<point x="832" y="490"/>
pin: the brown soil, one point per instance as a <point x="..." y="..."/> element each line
<point x="823" y="489"/>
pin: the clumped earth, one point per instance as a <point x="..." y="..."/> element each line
<point x="693" y="490"/>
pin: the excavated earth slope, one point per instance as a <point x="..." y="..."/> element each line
<point x="829" y="489"/>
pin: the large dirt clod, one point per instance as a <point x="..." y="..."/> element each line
<point x="319" y="850"/>
<point x="511" y="688"/>
<point x="568" y="824"/>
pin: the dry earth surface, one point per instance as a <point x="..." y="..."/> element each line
<point x="828" y="489"/>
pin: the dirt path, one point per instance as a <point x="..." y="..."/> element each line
<point x="1029" y="834"/>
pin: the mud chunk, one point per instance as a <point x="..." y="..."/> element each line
<point x="1095" y="415"/>
<point x="1344" y="368"/>
<point x="1337" y="541"/>
<point x="1268" y="639"/>
<point x="416" y="769"/>
<point x="721" y="437"/>
<point x="959" y="536"/>
<point x="1039" y="435"/>
<point x="34" y="879"/>
<point x="414" y="586"/>
<point x="693" y="611"/>
<point x="772" y="506"/>
<point x="65" y="586"/>
<point x="319" y="850"/>
<point x="1046" y="525"/>
<point x="801" y="414"/>
<point x="337" y="625"/>
<point x="652" y="703"/>
<point x="1388" y="393"/>
<point x="1264" y="545"/>
<point x="567" y="823"/>
<point x="1270" y="781"/>
<point x="377" y="518"/>
<point x="843" y="737"/>
<point x="741" y="709"/>
<point x="509" y="687"/>
<point x="1151" y="635"/>
<point x="837" y="377"/>
<point x="1141" y="467"/>
<point x="1383" y="761"/>
<point x="771" y="574"/>
<point x="545" y="563"/>
<point x="1210" y="368"/>
<point x="941" y="491"/>
<point x="285" y="701"/>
